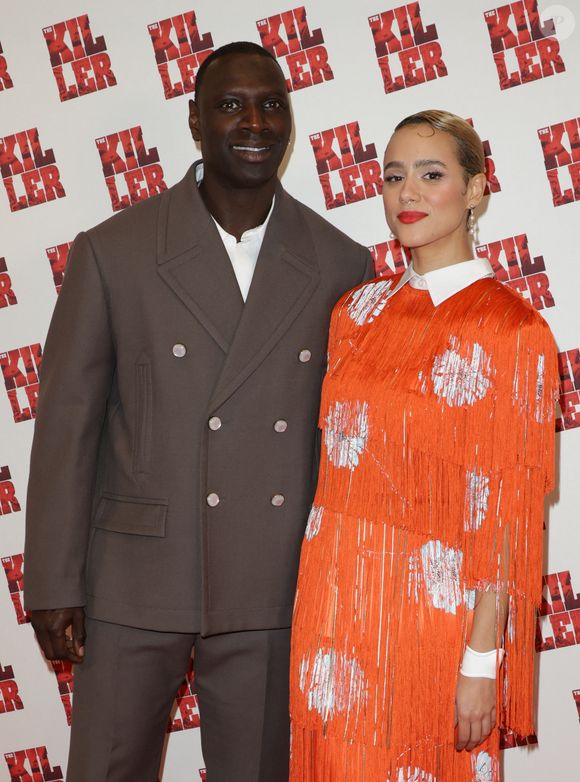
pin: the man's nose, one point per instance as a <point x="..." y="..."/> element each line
<point x="254" y="117"/>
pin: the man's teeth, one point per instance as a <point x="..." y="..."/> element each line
<point x="251" y="149"/>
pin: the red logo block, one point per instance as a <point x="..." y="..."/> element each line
<point x="559" y="620"/>
<point x="390" y="258"/>
<point x="514" y="266"/>
<point x="185" y="713"/>
<point x="127" y="163"/>
<point x="302" y="54"/>
<point x="348" y="171"/>
<point x="57" y="257"/>
<point x="80" y="63"/>
<point x="561" y="148"/>
<point x="13" y="570"/>
<point x="8" y="500"/>
<point x="576" y="696"/>
<point x="508" y="740"/>
<point x="23" y="161"/>
<point x="408" y="53"/>
<point x="20" y="370"/>
<point x="32" y="765"/>
<point x="9" y="698"/>
<point x="63" y="670"/>
<point x="6" y="82"/>
<point x="524" y="49"/>
<point x="179" y="51"/>
<point x="7" y="295"/>
<point x="569" y="366"/>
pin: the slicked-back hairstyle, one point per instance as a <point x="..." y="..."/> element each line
<point x="236" y="47"/>
<point x="469" y="145"/>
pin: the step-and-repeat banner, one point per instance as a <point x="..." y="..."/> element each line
<point x="93" y="118"/>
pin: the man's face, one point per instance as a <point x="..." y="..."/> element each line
<point x="242" y="119"/>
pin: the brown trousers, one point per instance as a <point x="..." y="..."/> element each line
<point x="124" y="690"/>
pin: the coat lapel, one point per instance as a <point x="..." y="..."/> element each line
<point x="193" y="261"/>
<point x="286" y="276"/>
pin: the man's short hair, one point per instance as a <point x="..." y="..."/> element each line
<point x="237" y="47"/>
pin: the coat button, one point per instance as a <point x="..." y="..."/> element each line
<point x="281" y="425"/>
<point x="304" y="356"/>
<point x="179" y="350"/>
<point x="214" y="423"/>
<point x="212" y="499"/>
<point x="277" y="500"/>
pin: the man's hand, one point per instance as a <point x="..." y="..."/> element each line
<point x="60" y="633"/>
<point x="474" y="711"/>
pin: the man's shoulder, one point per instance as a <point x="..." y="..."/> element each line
<point x="322" y="230"/>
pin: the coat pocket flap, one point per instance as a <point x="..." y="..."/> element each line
<point x="132" y="515"/>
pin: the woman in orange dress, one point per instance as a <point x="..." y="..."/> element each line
<point x="420" y="574"/>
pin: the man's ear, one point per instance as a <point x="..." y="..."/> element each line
<point x="194" y="120"/>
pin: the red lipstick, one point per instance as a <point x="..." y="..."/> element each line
<point x="411" y="217"/>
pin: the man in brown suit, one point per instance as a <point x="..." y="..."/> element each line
<point x="174" y="454"/>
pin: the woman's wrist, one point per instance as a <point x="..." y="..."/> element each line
<point x="481" y="664"/>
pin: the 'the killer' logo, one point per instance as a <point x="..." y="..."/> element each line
<point x="127" y="163"/>
<point x="559" y="620"/>
<point x="179" y="51"/>
<point x="32" y="765"/>
<point x="287" y="36"/>
<point x="185" y="713"/>
<point x="80" y="63"/>
<point x="57" y="257"/>
<point x="348" y="171"/>
<point x="524" y="49"/>
<point x="8" y="499"/>
<point x="390" y="258"/>
<point x="64" y="676"/>
<point x="569" y="367"/>
<point x="561" y="148"/>
<point x="513" y="265"/>
<point x="9" y="698"/>
<point x="6" y="82"/>
<point x="7" y="295"/>
<point x="400" y="31"/>
<point x="20" y="370"/>
<point x="508" y="739"/>
<point x="21" y="156"/>
<point x="13" y="570"/>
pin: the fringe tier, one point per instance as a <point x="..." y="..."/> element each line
<point x="438" y="438"/>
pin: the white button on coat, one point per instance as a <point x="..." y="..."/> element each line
<point x="304" y="356"/>
<point x="214" y="423"/>
<point x="212" y="499"/>
<point x="277" y="500"/>
<point x="179" y="350"/>
<point x="281" y="425"/>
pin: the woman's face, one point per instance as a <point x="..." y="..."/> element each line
<point x="424" y="192"/>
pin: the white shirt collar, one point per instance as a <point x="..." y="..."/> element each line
<point x="444" y="283"/>
<point x="252" y="234"/>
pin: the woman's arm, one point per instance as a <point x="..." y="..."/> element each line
<point x="475" y="697"/>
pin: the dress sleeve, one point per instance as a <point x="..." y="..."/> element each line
<point x="504" y="510"/>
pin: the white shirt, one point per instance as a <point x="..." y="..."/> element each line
<point x="243" y="254"/>
<point x="447" y="281"/>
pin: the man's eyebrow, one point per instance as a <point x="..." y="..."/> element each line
<point x="416" y="164"/>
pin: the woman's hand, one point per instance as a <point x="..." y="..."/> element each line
<point x="474" y="710"/>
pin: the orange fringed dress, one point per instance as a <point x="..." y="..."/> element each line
<point x="438" y="447"/>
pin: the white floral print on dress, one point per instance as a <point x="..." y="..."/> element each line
<point x="461" y="379"/>
<point x="368" y="302"/>
<point x="346" y="433"/>
<point x="441" y="572"/>
<point x="334" y="683"/>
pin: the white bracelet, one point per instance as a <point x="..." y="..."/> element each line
<point x="480" y="664"/>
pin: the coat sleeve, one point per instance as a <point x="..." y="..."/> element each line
<point x="75" y="380"/>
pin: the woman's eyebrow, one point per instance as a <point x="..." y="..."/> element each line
<point x="416" y="164"/>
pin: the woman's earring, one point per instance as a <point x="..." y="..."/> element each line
<point x="471" y="222"/>
<point x="392" y="235"/>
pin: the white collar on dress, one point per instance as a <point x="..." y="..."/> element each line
<point x="447" y="281"/>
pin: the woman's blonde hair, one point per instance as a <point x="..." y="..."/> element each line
<point x="469" y="145"/>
